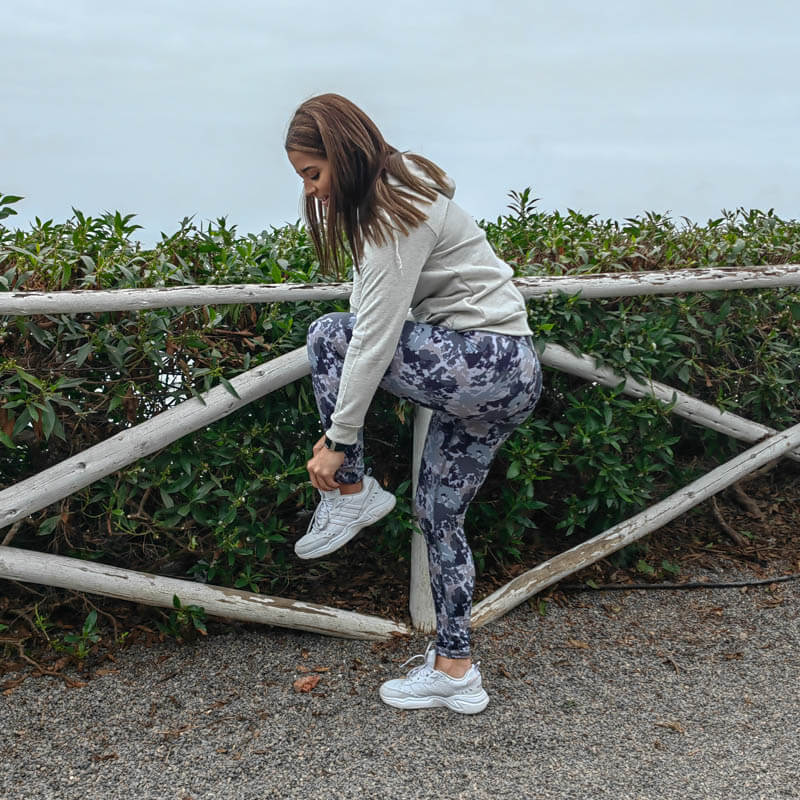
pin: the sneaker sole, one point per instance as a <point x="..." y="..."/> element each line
<point x="462" y="703"/>
<point x="378" y="512"/>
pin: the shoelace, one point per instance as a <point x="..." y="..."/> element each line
<point x="322" y="513"/>
<point x="423" y="670"/>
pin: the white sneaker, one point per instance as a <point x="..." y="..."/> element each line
<point x="339" y="517"/>
<point x="426" y="687"/>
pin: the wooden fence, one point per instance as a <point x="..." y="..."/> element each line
<point x="55" y="483"/>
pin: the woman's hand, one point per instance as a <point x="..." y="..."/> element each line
<point x="322" y="467"/>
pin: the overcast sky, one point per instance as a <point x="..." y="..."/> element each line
<point x="171" y="109"/>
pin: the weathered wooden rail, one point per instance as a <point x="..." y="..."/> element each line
<point x="155" y="590"/>
<point x="611" y="284"/>
<point x="28" y="496"/>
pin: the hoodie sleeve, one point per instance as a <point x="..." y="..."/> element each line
<point x="387" y="283"/>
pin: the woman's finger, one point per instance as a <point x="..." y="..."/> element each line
<point x="318" y="445"/>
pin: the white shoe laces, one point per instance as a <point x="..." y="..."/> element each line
<point x="322" y="513"/>
<point x="422" y="671"/>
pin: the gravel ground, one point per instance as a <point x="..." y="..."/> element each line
<point x="629" y="696"/>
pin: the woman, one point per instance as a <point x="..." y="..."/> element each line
<point x="463" y="351"/>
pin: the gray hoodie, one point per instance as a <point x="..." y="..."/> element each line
<point x="446" y="273"/>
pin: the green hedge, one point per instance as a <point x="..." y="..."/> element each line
<point x="225" y="504"/>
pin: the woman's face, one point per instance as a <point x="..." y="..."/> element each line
<point x="315" y="173"/>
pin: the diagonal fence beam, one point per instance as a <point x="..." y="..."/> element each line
<point x="60" y="481"/>
<point x="529" y="583"/>
<point x="584" y="366"/>
<point x="155" y="590"/>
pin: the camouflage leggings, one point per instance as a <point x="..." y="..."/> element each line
<point x="480" y="386"/>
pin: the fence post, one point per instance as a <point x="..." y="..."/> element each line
<point x="420" y="598"/>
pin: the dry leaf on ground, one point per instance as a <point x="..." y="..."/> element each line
<point x="576" y="644"/>
<point x="673" y="726"/>
<point x="306" y="683"/>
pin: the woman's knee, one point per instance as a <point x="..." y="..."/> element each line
<point x="329" y="334"/>
<point x="326" y="325"/>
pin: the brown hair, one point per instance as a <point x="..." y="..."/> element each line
<point x="362" y="205"/>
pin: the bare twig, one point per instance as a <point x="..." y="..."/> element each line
<point x="29" y="589"/>
<point x="24" y="657"/>
<point x="139" y="514"/>
<point x="668" y="658"/>
<point x="12" y="532"/>
<point x="87" y="601"/>
<point x="737" y="537"/>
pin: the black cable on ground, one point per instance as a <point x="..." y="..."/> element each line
<point x="624" y="587"/>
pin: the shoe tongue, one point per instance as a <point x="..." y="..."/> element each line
<point x="430" y="657"/>
<point x="331" y="494"/>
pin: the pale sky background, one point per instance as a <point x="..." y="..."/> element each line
<point x="172" y="109"/>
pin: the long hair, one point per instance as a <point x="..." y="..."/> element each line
<point x="362" y="205"/>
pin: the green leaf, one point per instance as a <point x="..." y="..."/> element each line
<point x="23" y="420"/>
<point x="204" y="489"/>
<point x="90" y="622"/>
<point x="48" y="526"/>
<point x="643" y="567"/>
<point x="48" y="417"/>
<point x="83" y="353"/>
<point x="199" y="622"/>
<point x="229" y="386"/>
<point x="28" y="378"/>
<point x="180" y="484"/>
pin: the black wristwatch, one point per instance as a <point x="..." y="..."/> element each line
<point x="335" y="446"/>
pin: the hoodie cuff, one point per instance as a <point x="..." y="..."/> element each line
<point x="343" y="434"/>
